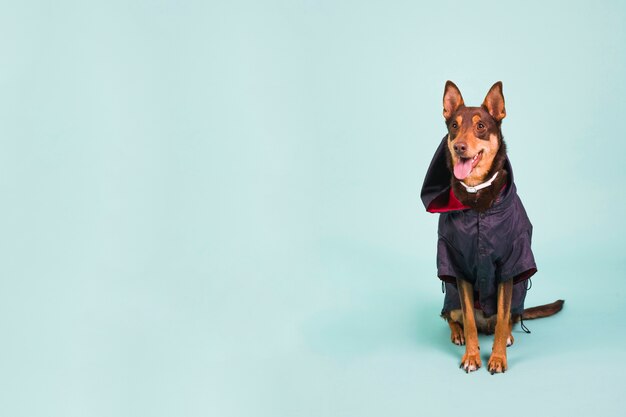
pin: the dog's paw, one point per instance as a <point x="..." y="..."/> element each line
<point x="470" y="362"/>
<point x="510" y="340"/>
<point x="497" y="364"/>
<point x="457" y="337"/>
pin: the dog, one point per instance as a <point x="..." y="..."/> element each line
<point x="484" y="255"/>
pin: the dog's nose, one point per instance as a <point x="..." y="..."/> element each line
<point x="460" y="148"/>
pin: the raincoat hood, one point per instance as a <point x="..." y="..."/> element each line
<point x="437" y="194"/>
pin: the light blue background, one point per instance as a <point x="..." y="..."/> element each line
<point x="213" y="209"/>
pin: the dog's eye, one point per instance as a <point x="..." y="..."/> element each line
<point x="480" y="125"/>
<point x="455" y="125"/>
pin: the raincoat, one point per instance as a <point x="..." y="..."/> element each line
<point x="485" y="248"/>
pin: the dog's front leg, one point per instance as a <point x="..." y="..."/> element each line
<point x="471" y="359"/>
<point x="497" y="361"/>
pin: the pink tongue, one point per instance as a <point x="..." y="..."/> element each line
<point x="462" y="168"/>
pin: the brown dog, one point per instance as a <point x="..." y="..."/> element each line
<point x="483" y="253"/>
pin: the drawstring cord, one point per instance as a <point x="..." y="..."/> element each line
<point x="524" y="328"/>
<point x="529" y="285"/>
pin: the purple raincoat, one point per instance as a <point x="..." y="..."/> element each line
<point x="484" y="249"/>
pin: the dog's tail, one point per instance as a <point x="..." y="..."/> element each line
<point x="545" y="310"/>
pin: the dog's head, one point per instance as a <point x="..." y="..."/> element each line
<point x="474" y="137"/>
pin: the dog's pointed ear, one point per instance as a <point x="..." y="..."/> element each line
<point x="452" y="99"/>
<point x="494" y="102"/>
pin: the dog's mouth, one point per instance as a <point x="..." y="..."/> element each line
<point x="464" y="166"/>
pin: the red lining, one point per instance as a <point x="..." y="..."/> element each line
<point x="444" y="203"/>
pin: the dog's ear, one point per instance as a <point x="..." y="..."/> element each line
<point x="452" y="99"/>
<point x="494" y="102"/>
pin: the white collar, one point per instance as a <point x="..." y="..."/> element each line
<point x="476" y="188"/>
